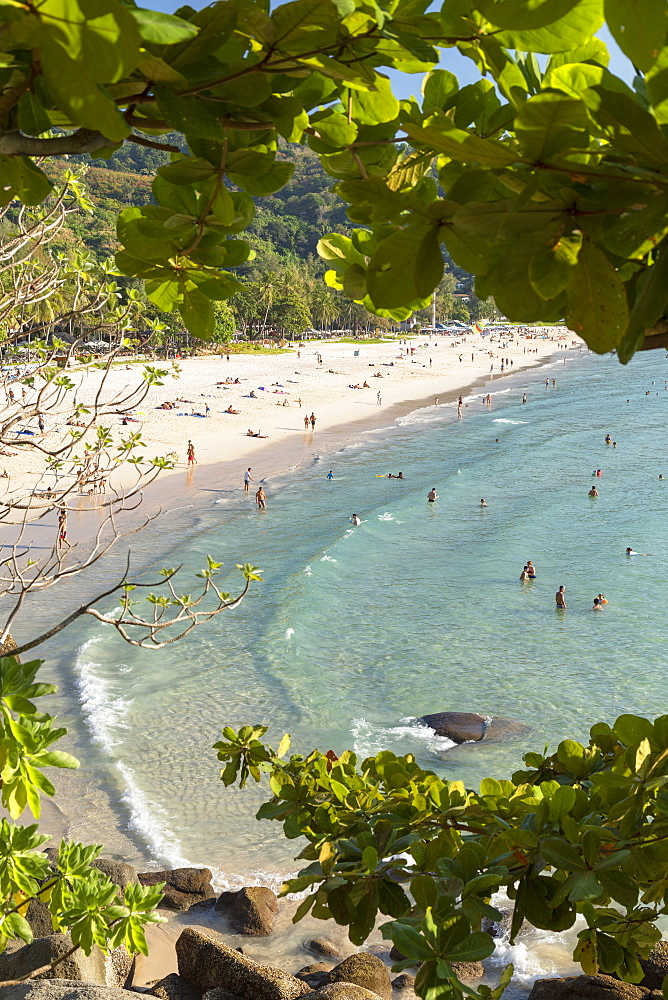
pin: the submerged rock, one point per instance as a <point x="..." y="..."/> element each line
<point x="207" y="964"/>
<point x="364" y="970"/>
<point x="403" y="982"/>
<point x="185" y="887"/>
<point x="586" y="988"/>
<point x="465" y="727"/>
<point x="249" y="911"/>
<point x="323" y="946"/>
<point x="315" y="975"/>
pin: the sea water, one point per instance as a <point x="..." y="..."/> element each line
<point x="358" y="631"/>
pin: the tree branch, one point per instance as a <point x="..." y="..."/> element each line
<point x="81" y="141"/>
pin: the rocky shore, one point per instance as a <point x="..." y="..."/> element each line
<point x="210" y="969"/>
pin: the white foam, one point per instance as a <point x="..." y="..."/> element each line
<point x="370" y="738"/>
<point x="327" y="558"/>
<point x="308" y="570"/>
<point x="500" y="420"/>
<point x="386" y="516"/>
<point x="103" y="712"/>
<point x="289" y="632"/>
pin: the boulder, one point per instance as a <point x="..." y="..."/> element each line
<point x="220" y="994"/>
<point x="458" y="726"/>
<point x="586" y="988"/>
<point x="322" y="946"/>
<point x="249" y="911"/>
<point x="342" y="991"/>
<point x="119" y="967"/>
<point x="403" y="982"/>
<point x="655" y="966"/>
<point x="184" y="886"/>
<point x="39" y="918"/>
<point x="468" y="970"/>
<point x="63" y="989"/>
<point x="43" y="951"/>
<point x="173" y="987"/>
<point x="315" y="975"/>
<point x="120" y="873"/>
<point x="8" y="646"/>
<point x="207" y="964"/>
<point x="464" y="727"/>
<point x="364" y="970"/>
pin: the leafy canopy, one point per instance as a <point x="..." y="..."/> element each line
<point x="581" y="833"/>
<point x="547" y="179"/>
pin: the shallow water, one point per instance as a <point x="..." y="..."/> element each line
<point x="358" y="631"/>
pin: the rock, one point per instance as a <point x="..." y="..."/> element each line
<point x="468" y="970"/>
<point x="396" y="955"/>
<point x="403" y="982"/>
<point x="655" y="966"/>
<point x="586" y="988"/>
<point x="120" y="873"/>
<point x="249" y="911"/>
<point x="39" y="918"/>
<point x="8" y="645"/>
<point x="323" y="946"/>
<point x="206" y="964"/>
<point x="63" y="989"/>
<point x="342" y="991"/>
<point x="463" y="727"/>
<point x="119" y="967"/>
<point x="364" y="970"/>
<point x="173" y="987"/>
<point x="220" y="994"/>
<point x="458" y="726"/>
<point x="184" y="888"/>
<point x="43" y="951"/>
<point x="315" y="975"/>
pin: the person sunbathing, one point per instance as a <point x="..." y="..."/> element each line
<point x="365" y="385"/>
<point x="230" y="410"/>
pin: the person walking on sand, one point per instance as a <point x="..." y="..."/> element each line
<point x="207" y="410"/>
<point x="378" y="398"/>
<point x="306" y="423"/>
<point x="247" y="479"/>
<point x="560" y="597"/>
<point x="260" y="499"/>
<point x="312" y="419"/>
<point x="191" y="455"/>
<point x="62" y="529"/>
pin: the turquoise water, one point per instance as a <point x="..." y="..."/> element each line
<point x="357" y="631"/>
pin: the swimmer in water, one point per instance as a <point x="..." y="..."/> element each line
<point x="330" y="474"/>
<point x="560" y="597"/>
<point x="602" y="599"/>
<point x="524" y="574"/>
<point x="597" y="605"/>
<point x="632" y="552"/>
<point x="661" y="477"/>
<point x="593" y="492"/>
<point x="531" y="570"/>
<point x="483" y="503"/>
<point x="432" y="495"/>
<point x="355" y="520"/>
<point x="608" y="439"/>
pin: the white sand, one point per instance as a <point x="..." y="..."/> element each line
<point x="293" y="377"/>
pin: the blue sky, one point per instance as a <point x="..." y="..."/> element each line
<point x="405" y="84"/>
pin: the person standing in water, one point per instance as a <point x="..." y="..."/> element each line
<point x="432" y="496"/>
<point x="531" y="570"/>
<point x="306" y="423"/>
<point x="355" y="520"/>
<point x="330" y="474"/>
<point x="560" y="597"/>
<point x="483" y="503"/>
<point x="247" y="479"/>
<point x="312" y="419"/>
<point x="260" y="499"/>
<point x="524" y="575"/>
<point x="191" y="454"/>
<point x="524" y="398"/>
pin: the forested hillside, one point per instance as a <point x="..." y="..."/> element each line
<point x="285" y="290"/>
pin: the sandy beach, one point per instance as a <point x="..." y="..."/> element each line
<point x="272" y="395"/>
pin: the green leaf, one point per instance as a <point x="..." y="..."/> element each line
<point x="561" y="854"/>
<point x="439" y="90"/>
<point x="597" y="305"/>
<point x="197" y="313"/>
<point x="544" y="25"/>
<point x="442" y="136"/>
<point x="551" y="267"/>
<point x="406" y="266"/>
<point x="651" y="299"/>
<point x="33" y="119"/>
<point x="476" y="946"/>
<point x="551" y="123"/>
<point x="267" y="183"/>
<point x="371" y="107"/>
<point x="187" y="170"/>
<point x="639" y="27"/>
<point x="162" y="29"/>
<point x="633" y="729"/>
